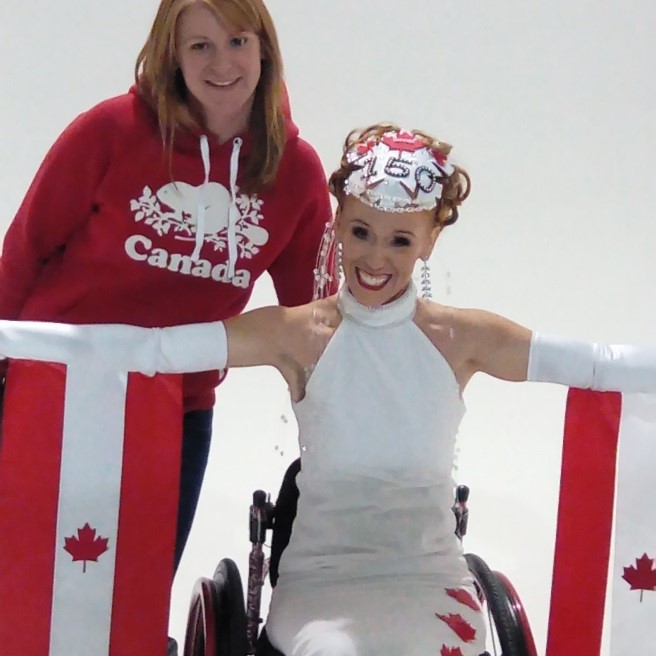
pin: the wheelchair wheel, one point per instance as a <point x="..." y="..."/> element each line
<point x="518" y="612"/>
<point x="505" y="630"/>
<point x="217" y="618"/>
<point x="200" y="638"/>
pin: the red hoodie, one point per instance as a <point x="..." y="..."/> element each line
<point x="105" y="235"/>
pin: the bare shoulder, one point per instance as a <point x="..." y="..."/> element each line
<point x="323" y="312"/>
<point x="474" y="340"/>
<point x="457" y="333"/>
<point x="442" y="324"/>
<point x="289" y="338"/>
<point x="289" y="324"/>
<point x="305" y="330"/>
<point x="462" y="324"/>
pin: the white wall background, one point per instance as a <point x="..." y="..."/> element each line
<point x="550" y="107"/>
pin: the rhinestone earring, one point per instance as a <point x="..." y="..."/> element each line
<point x="325" y="268"/>
<point x="425" y="279"/>
<point x="338" y="262"/>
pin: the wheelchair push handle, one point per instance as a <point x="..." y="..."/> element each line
<point x="462" y="494"/>
<point x="260" y="516"/>
<point x="460" y="510"/>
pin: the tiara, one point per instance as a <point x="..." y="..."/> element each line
<point x="397" y="172"/>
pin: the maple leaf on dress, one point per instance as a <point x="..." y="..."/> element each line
<point x="450" y="651"/>
<point x="86" y="546"/>
<point x="463" y="597"/>
<point x="463" y="629"/>
<point x="642" y="577"/>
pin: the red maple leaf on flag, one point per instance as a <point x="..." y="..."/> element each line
<point x="463" y="629"/>
<point x="86" y="546"/>
<point x="450" y="651"/>
<point x="642" y="577"/>
<point x="463" y="597"/>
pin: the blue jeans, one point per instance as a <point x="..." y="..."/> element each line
<point x="196" y="438"/>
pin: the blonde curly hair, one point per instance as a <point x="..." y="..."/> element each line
<point x="455" y="189"/>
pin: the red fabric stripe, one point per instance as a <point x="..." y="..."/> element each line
<point x="147" y="516"/>
<point x="585" y="518"/>
<point x="30" y="458"/>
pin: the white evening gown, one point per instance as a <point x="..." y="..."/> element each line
<point x="373" y="567"/>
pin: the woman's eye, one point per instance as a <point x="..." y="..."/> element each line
<point x="238" y="41"/>
<point x="401" y="241"/>
<point x="201" y="46"/>
<point x="359" y="232"/>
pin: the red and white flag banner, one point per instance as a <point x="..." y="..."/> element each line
<point x="89" y="478"/>
<point x="606" y="536"/>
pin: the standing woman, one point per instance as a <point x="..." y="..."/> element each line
<point x="164" y="205"/>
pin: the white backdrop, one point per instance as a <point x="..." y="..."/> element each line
<point x="550" y="108"/>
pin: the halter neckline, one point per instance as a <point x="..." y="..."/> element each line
<point x="390" y="314"/>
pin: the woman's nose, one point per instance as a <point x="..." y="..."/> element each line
<point x="221" y="61"/>
<point x="376" y="257"/>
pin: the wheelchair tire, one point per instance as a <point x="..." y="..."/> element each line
<point x="216" y="625"/>
<point x="231" y="620"/>
<point x="517" y="609"/>
<point x="200" y="637"/>
<point x="493" y="593"/>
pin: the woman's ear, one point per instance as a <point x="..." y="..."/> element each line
<point x="434" y="234"/>
<point x="338" y="223"/>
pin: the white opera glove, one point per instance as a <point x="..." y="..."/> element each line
<point x="194" y="347"/>
<point x="176" y="349"/>
<point x="601" y="367"/>
<point x="44" y="341"/>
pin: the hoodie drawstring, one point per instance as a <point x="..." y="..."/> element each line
<point x="233" y="213"/>
<point x="202" y="193"/>
<point x="233" y="210"/>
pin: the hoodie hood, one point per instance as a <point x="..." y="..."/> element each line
<point x="209" y="150"/>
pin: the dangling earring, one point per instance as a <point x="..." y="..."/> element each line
<point x="425" y="279"/>
<point x="338" y="262"/>
<point x="325" y="267"/>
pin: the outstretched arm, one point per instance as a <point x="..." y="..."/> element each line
<point x="493" y="344"/>
<point x="253" y="338"/>
<point x="178" y="349"/>
<point x="601" y="367"/>
<point x="509" y="351"/>
<point x="243" y="341"/>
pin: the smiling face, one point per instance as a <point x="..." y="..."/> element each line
<point x="221" y="69"/>
<point x="380" y="249"/>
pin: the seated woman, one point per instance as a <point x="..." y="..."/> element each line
<point x="376" y="375"/>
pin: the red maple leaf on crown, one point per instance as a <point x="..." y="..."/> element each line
<point x="404" y="141"/>
<point x="364" y="147"/>
<point x="86" y="546"/>
<point x="642" y="577"/>
<point x="450" y="651"/>
<point x="440" y="158"/>
<point x="407" y="142"/>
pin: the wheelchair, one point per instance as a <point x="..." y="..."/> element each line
<point x="221" y="624"/>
